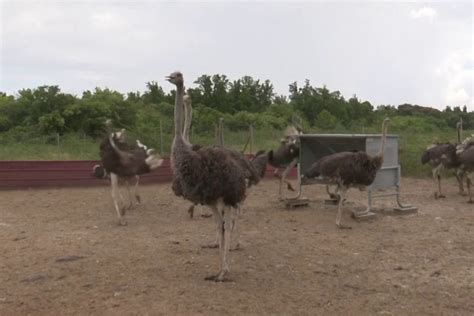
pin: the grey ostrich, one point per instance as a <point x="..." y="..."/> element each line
<point x="349" y="169"/>
<point x="285" y="157"/>
<point x="443" y="156"/>
<point x="208" y="176"/>
<point x="124" y="162"/>
<point x="465" y="155"/>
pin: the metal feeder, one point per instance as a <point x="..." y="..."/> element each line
<point x="316" y="146"/>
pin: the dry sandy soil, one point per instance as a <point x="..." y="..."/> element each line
<point x="293" y="261"/>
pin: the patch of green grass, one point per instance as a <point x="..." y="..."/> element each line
<point x="79" y="147"/>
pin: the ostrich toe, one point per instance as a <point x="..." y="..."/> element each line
<point x="212" y="245"/>
<point x="220" y="277"/>
<point x="122" y="222"/>
<point x="341" y="226"/>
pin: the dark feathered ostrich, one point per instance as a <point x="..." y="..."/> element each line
<point x="208" y="176"/>
<point x="443" y="156"/>
<point x="124" y="162"/>
<point x="349" y="169"/>
<point x="465" y="156"/>
<point x="285" y="157"/>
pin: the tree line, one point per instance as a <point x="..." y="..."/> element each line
<point x="46" y="109"/>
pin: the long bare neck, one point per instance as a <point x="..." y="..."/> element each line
<point x="459" y="130"/>
<point x="188" y="117"/>
<point x="384" y="136"/>
<point x="178" y="112"/>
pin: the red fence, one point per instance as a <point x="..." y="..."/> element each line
<point x="36" y="174"/>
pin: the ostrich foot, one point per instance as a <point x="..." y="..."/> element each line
<point x="341" y="226"/>
<point x="191" y="211"/>
<point x="206" y="215"/>
<point x="123" y="210"/>
<point x="213" y="245"/>
<point x="122" y="222"/>
<point x="236" y="247"/>
<point x="138" y="198"/>
<point x="470" y="201"/>
<point x="439" y="196"/>
<point x="290" y="187"/>
<point x="220" y="277"/>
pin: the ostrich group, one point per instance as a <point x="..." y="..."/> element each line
<point x="220" y="178"/>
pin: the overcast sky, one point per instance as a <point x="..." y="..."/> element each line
<point x="384" y="52"/>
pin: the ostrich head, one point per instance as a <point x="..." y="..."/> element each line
<point x="175" y="78"/>
<point x="119" y="136"/>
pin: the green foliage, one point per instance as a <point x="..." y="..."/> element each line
<point x="45" y="123"/>
<point x="326" y="120"/>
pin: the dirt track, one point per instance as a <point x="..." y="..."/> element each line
<point x="293" y="262"/>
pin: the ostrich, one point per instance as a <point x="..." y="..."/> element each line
<point x="465" y="156"/>
<point x="253" y="170"/>
<point x="349" y="169"/>
<point x="125" y="162"/>
<point x="443" y="156"/>
<point x="286" y="156"/>
<point x="188" y="117"/>
<point x="209" y="176"/>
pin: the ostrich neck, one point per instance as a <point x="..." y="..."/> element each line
<point x="459" y="131"/>
<point x="178" y="112"/>
<point x="188" y="116"/>
<point x="382" y="144"/>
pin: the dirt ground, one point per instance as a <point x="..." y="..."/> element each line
<point x="293" y="261"/>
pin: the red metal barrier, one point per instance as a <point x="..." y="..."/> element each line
<point x="37" y="174"/>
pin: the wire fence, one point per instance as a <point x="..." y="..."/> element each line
<point x="78" y="146"/>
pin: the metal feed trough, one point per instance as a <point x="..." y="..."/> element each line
<point x="316" y="146"/>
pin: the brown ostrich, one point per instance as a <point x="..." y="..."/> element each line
<point x="208" y="176"/>
<point x="124" y="162"/>
<point x="285" y="157"/>
<point x="465" y="156"/>
<point x="349" y="169"/>
<point x="443" y="156"/>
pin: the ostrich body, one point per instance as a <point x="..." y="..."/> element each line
<point x="443" y="156"/>
<point x="123" y="161"/>
<point x="285" y="157"/>
<point x="465" y="156"/>
<point x="208" y="176"/>
<point x="466" y="160"/>
<point x="349" y="169"/>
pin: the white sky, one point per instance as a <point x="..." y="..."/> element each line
<point x="384" y="52"/>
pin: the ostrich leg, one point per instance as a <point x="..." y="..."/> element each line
<point x="218" y="220"/>
<point x="236" y="229"/>
<point x="137" y="195"/>
<point x="437" y="177"/>
<point x="120" y="212"/>
<point x="283" y="177"/>
<point x="342" y="192"/>
<point x="191" y="211"/>
<point x="225" y="228"/>
<point x="460" y="178"/>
